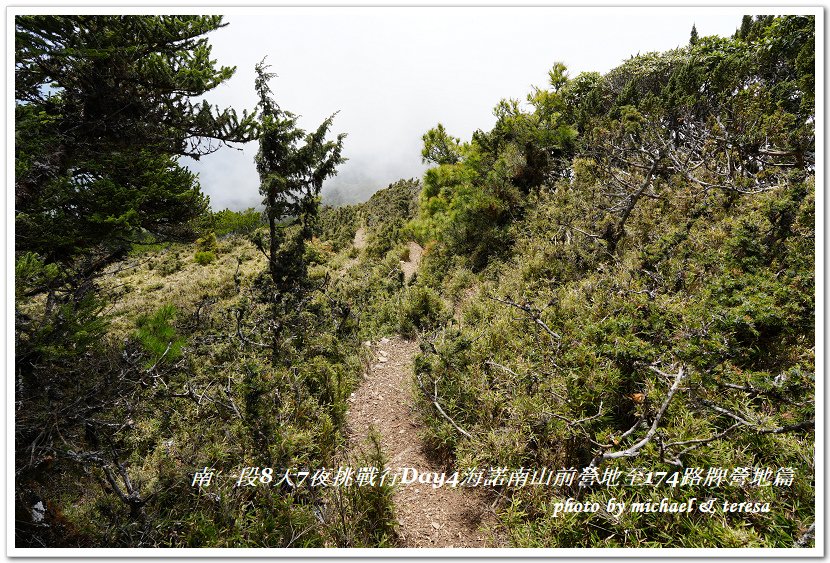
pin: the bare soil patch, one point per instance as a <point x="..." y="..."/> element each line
<point x="360" y="238"/>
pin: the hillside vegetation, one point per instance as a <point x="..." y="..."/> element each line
<point x="632" y="262"/>
<point x="618" y="278"/>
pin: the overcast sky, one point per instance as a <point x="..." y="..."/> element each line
<point x="393" y="73"/>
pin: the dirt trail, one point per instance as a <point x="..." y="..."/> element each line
<point x="360" y="238"/>
<point x="427" y="516"/>
<point x="359" y="244"/>
<point x="410" y="266"/>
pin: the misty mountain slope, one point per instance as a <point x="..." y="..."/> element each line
<point x="606" y="300"/>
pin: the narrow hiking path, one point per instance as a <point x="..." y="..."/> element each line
<point x="411" y="265"/>
<point x="358" y="244"/>
<point x="427" y="516"/>
<point x="360" y="238"/>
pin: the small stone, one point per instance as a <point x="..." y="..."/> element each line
<point x="368" y="343"/>
<point x="436" y="525"/>
<point x="383" y="360"/>
<point x="384" y="340"/>
<point x="38" y="511"/>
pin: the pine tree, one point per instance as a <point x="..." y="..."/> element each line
<point x="292" y="166"/>
<point x="104" y="108"/>
<point x="746" y="26"/>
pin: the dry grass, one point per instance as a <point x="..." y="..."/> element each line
<point x="144" y="287"/>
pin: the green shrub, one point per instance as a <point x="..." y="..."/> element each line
<point x="422" y="309"/>
<point x="364" y="516"/>
<point x="237" y="222"/>
<point x="30" y="271"/>
<point x="158" y="337"/>
<point x="404" y="253"/>
<point x="207" y="243"/>
<point x="171" y="265"/>
<point x="460" y="281"/>
<point x="204" y="258"/>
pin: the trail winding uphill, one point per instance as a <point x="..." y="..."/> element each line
<point x="427" y="516"/>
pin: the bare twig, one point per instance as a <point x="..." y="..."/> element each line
<point x="532" y="313"/>
<point x="434" y="401"/>
<point x="636" y="425"/>
<point x="726" y="412"/>
<point x="503" y="368"/>
<point x="450" y="420"/>
<point x="789" y="428"/>
<point x="570" y="422"/>
<point x="635" y="449"/>
<point x="696" y="443"/>
<point x="805" y="538"/>
<point x="586" y="233"/>
<point x="153" y="367"/>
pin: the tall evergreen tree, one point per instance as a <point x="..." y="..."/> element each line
<point x="104" y="109"/>
<point x="292" y="166"/>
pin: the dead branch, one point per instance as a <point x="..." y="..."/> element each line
<point x="434" y="401"/>
<point x="503" y="368"/>
<point x="153" y="367"/>
<point x="805" y="538"/>
<point x="696" y="443"/>
<point x="726" y="412"/>
<point x="619" y="230"/>
<point x="635" y="449"/>
<point x="740" y="423"/>
<point x="636" y="425"/>
<point x="516" y="375"/>
<point x="788" y="428"/>
<point x="532" y="313"/>
<point x="130" y="496"/>
<point x="579" y="422"/>
<point x="586" y="233"/>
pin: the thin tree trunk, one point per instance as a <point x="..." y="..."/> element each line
<point x="273" y="244"/>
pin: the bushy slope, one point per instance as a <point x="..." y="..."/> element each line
<point x="634" y="257"/>
<point x="184" y="380"/>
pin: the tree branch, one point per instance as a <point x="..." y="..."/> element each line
<point x="534" y="315"/>
<point x="635" y="449"/>
<point x="434" y="401"/>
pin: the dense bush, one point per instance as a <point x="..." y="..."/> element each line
<point x="204" y="257"/>
<point x="422" y="309"/>
<point x="228" y="222"/>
